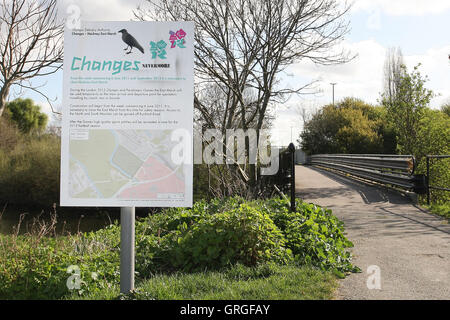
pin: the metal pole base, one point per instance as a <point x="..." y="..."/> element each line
<point x="127" y="217"/>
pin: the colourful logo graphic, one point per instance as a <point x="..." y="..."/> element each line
<point x="177" y="38"/>
<point x="158" y="49"/>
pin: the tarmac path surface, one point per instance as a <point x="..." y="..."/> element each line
<point x="409" y="247"/>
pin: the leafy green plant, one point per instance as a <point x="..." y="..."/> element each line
<point x="242" y="235"/>
<point x="315" y="237"/>
<point x="210" y="236"/>
<point x="241" y="239"/>
<point x="229" y="231"/>
<point x="35" y="265"/>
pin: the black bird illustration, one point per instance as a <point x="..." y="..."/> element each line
<point x="130" y="41"/>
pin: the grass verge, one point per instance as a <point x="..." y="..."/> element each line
<point x="442" y="210"/>
<point x="266" y="282"/>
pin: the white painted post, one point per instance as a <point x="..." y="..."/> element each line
<point x="127" y="215"/>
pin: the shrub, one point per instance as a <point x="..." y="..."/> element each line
<point x="210" y="236"/>
<point x="350" y="126"/>
<point x="29" y="174"/>
<point x="27" y="115"/>
<point x="315" y="236"/>
<point x="243" y="235"/>
<point x="224" y="232"/>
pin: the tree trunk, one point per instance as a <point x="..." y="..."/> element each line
<point x="4" y="92"/>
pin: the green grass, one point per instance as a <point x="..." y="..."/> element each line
<point x="266" y="282"/>
<point x="442" y="210"/>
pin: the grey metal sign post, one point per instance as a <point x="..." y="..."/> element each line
<point x="127" y="235"/>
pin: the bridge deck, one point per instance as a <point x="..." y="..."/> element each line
<point x="411" y="247"/>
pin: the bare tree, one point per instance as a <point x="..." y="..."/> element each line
<point x="305" y="113"/>
<point x="54" y="127"/>
<point x="392" y="72"/>
<point x="241" y="44"/>
<point x="31" y="39"/>
<point x="212" y="112"/>
<point x="247" y="44"/>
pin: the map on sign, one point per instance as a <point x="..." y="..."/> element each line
<point x="132" y="164"/>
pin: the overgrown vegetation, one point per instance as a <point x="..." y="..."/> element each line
<point x="212" y="236"/>
<point x="434" y="138"/>
<point x="215" y="234"/>
<point x="29" y="171"/>
<point x="29" y="157"/>
<point x="349" y="126"/>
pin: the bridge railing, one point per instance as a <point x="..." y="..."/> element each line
<point x="395" y="170"/>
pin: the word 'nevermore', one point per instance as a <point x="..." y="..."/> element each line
<point x="212" y="147"/>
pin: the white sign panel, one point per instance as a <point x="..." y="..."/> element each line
<point x="128" y="115"/>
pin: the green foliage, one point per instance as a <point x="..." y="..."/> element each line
<point x="406" y="108"/>
<point x="442" y="209"/>
<point x="433" y="135"/>
<point x="223" y="232"/>
<point x="35" y="266"/>
<point x="228" y="235"/>
<point x="26" y="115"/>
<point x="209" y="236"/>
<point x="439" y="177"/>
<point x="446" y="109"/>
<point x="351" y="126"/>
<point x="28" y="270"/>
<point x="29" y="173"/>
<point x="420" y="130"/>
<point x="314" y="235"/>
<point x="358" y="133"/>
<point x="242" y="235"/>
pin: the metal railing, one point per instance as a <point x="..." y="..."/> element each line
<point x="395" y="170"/>
<point x="428" y="186"/>
<point x="284" y="179"/>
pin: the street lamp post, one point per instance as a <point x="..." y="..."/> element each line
<point x="333" y="84"/>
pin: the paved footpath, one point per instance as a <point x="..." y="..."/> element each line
<point x="410" y="247"/>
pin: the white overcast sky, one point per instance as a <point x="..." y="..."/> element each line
<point x="421" y="28"/>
